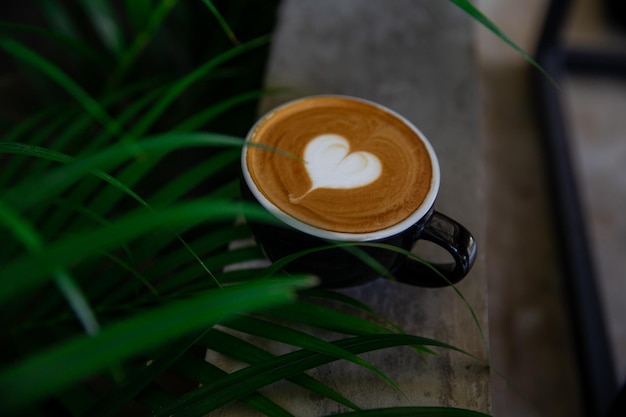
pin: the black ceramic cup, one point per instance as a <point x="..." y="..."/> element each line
<point x="342" y="260"/>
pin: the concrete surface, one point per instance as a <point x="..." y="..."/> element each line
<point x="401" y="54"/>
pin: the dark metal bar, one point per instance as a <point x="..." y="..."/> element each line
<point x="618" y="408"/>
<point x="597" y="374"/>
<point x="587" y="62"/>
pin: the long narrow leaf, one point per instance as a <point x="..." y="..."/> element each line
<point x="105" y="23"/>
<point x="66" y="284"/>
<point x="165" y="261"/>
<point x="181" y="85"/>
<point x="327" y="318"/>
<point x="77" y="300"/>
<point x="193" y="272"/>
<point x="52" y="224"/>
<point x="34" y="268"/>
<point x="199" y="120"/>
<point x="138" y="12"/>
<point x="416" y="258"/>
<point x="169" y="264"/>
<point x="345" y="300"/>
<point x="24" y="383"/>
<point x="51" y="155"/>
<point x="92" y="106"/>
<point x="470" y="9"/>
<point x="19" y="228"/>
<point x="111" y="403"/>
<point x="11" y="169"/>
<point x="76" y="133"/>
<point x="71" y="133"/>
<point x="197" y="369"/>
<point x="128" y="57"/>
<point x="148" y="90"/>
<point x="58" y="18"/>
<point x="134" y="173"/>
<point x="223" y="23"/>
<point x="350" y="248"/>
<point x="293" y="337"/>
<point x="194" y="176"/>
<point x="32" y="123"/>
<point x="249" y="353"/>
<point x="247" y="380"/>
<point x="33" y="191"/>
<point x="76" y="45"/>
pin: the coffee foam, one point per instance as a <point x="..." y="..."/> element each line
<point x="330" y="164"/>
<point x="356" y="168"/>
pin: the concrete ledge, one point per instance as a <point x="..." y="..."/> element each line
<point x="417" y="58"/>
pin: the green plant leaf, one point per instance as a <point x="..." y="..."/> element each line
<point x="59" y="218"/>
<point x="39" y="134"/>
<point x="197" y="369"/>
<point x="138" y="11"/>
<point x="247" y="380"/>
<point x="166" y="259"/>
<point x="75" y="45"/>
<point x="223" y="23"/>
<point x="175" y="188"/>
<point x="293" y="337"/>
<point x="197" y="121"/>
<point x="142" y="125"/>
<point x="43" y="153"/>
<point x="326" y="318"/>
<point x="24" y="383"/>
<point x="128" y="57"/>
<point x="65" y="283"/>
<point x="35" y="60"/>
<point x="41" y="129"/>
<point x="77" y="301"/>
<point x="474" y="12"/>
<point x="32" y="191"/>
<point x="58" y="18"/>
<point x="174" y="263"/>
<point x="34" y="268"/>
<point x="241" y="350"/>
<point x="112" y="402"/>
<point x="105" y="23"/>
<point x="75" y="134"/>
<point x="32" y="122"/>
<point x="345" y="300"/>
<point x="191" y="273"/>
<point x="416" y="258"/>
<point x="193" y="176"/>
<point x="350" y="248"/>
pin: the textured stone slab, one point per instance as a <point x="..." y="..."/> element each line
<point x="416" y="57"/>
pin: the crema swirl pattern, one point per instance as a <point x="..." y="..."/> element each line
<point x="339" y="164"/>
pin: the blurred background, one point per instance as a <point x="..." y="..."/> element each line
<point x="531" y="339"/>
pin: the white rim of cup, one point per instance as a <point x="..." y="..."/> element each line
<point x="306" y="228"/>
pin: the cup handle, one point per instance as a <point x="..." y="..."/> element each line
<point x="455" y="239"/>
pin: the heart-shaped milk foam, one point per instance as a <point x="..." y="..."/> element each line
<point x="330" y="164"/>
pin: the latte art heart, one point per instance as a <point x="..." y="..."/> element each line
<point x="354" y="167"/>
<point x="330" y="164"/>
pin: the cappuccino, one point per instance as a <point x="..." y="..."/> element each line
<point x="341" y="165"/>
